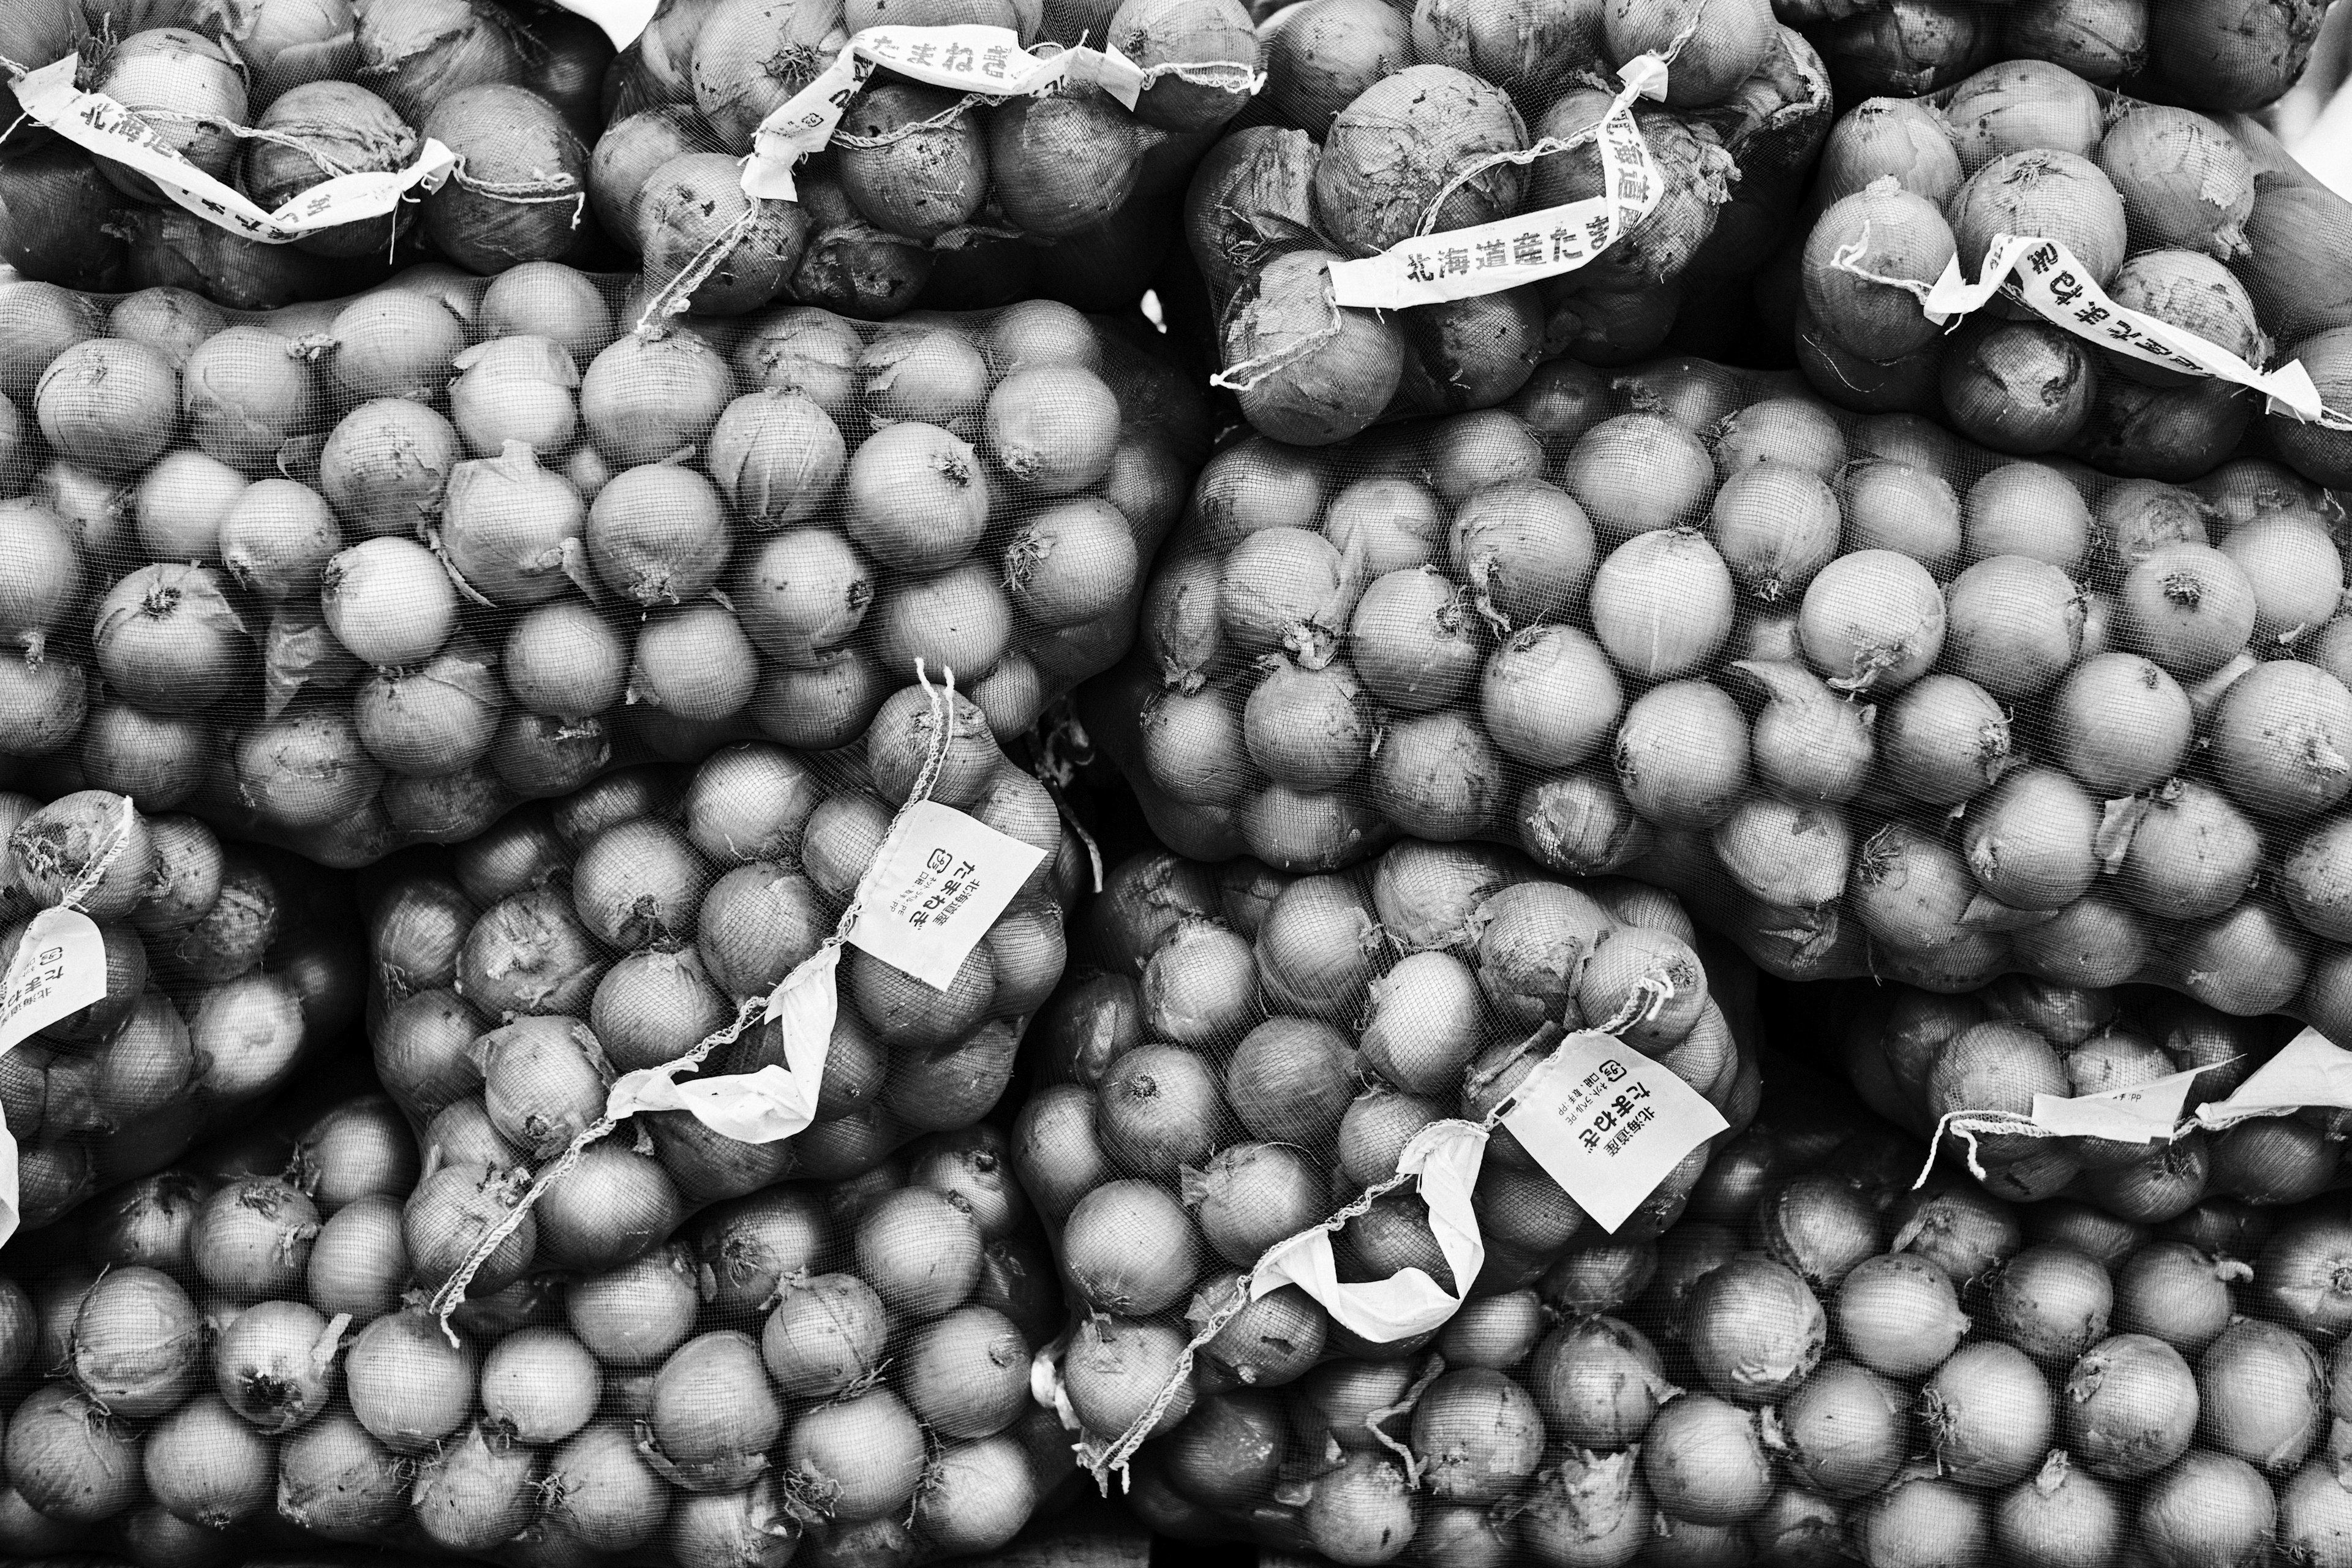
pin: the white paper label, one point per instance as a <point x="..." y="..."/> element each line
<point x="763" y="1107"/>
<point x="988" y="61"/>
<point x="2142" y="1114"/>
<point x="939" y="883"/>
<point x="1444" y="1158"/>
<point x="2044" y="275"/>
<point x="59" y="969"/>
<point x="2308" y="1070"/>
<point x="1608" y="1123"/>
<point x="1464" y="263"/>
<point x="11" y="1212"/>
<point x="100" y="126"/>
<point x="622" y="20"/>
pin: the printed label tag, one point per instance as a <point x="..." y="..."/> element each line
<point x="1443" y="1159"/>
<point x="622" y="20"/>
<point x="98" y="125"/>
<point x="1609" y="1123"/>
<point x="773" y="1103"/>
<point x="2141" y="1114"/>
<point x="939" y="883"/>
<point x="1464" y="263"/>
<point x="2044" y="275"/>
<point x="59" y="969"/>
<point x="2308" y="1070"/>
<point x="11" y="1212"/>
<point x="974" y="58"/>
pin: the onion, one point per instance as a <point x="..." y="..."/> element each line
<point x="1325" y="372"/>
<point x="386" y="465"/>
<point x="2227" y="59"/>
<point x="208" y="1469"/>
<point x="529" y="955"/>
<point x="253" y="1237"/>
<point x="2131" y="1405"/>
<point x="921" y="1252"/>
<point x="967" y="1374"/>
<point x="2051" y="1301"/>
<point x="644" y="398"/>
<point x="2311" y="1519"/>
<point x="359" y="1149"/>
<point x="68" y="1460"/>
<point x="451" y="1211"/>
<point x="2207" y="1508"/>
<point x="1754" y="1329"/>
<point x="1599" y="1382"/>
<point x="1987" y="1415"/>
<point x="359" y="1265"/>
<point x="633" y="1316"/>
<point x="275" y="1364"/>
<point x="420" y="1051"/>
<point x="137" y="1342"/>
<point x="1899" y="1315"/>
<point x="1704" y="1461"/>
<point x="712" y="1415"/>
<point x="1681" y="755"/>
<point x="337" y="1482"/>
<point x="859" y="1459"/>
<point x="473" y="1494"/>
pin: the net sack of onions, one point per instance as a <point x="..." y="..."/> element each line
<point x="2133" y="217"/>
<point x="1870" y="698"/>
<point x="230" y="1360"/>
<point x="1822" y="1361"/>
<point x="893" y="161"/>
<point x="2218" y="56"/>
<point x="214" y="973"/>
<point x="1259" y="1069"/>
<point x="362" y="573"/>
<point x="1977" y="1069"/>
<point x="191" y="144"/>
<point x="1597" y="204"/>
<point x="530" y="986"/>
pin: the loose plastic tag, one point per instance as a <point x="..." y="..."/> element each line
<point x="2308" y="1070"/>
<point x="59" y="969"/>
<point x="1462" y="263"/>
<point x="939" y="883"/>
<point x="2044" y="275"/>
<point x="622" y="20"/>
<point x="763" y="1107"/>
<point x="974" y="58"/>
<point x="1608" y="1123"/>
<point x="1443" y="1159"/>
<point x="2142" y="1114"/>
<point x="100" y="126"/>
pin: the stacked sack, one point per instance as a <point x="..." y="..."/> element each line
<point x="219" y="971"/>
<point x="1820" y="1364"/>
<point x="1871" y="700"/>
<point x="1271" y="1129"/>
<point x="534" y="1003"/>
<point x="2214" y="55"/>
<point x="226" y="1359"/>
<point x="359" y="575"/>
<point x="468" y="121"/>
<point x="973" y="169"/>
<point x="1380" y="128"/>
<point x="1975" y="1063"/>
<point x="2161" y="212"/>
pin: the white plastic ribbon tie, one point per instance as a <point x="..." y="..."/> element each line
<point x="2145" y="1113"/>
<point x="1464" y="263"/>
<point x="622" y="20"/>
<point x="2309" y="1070"/>
<point x="1443" y="1160"/>
<point x="100" y="126"/>
<point x="2044" y="276"/>
<point x="974" y="58"/>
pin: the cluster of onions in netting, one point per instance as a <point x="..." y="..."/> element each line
<point x="2216" y="55"/>
<point x="926" y="196"/>
<point x="2158" y="206"/>
<point x="626" y="926"/>
<point x="1818" y="1363"/>
<point x="226" y="965"/>
<point x="1871" y="698"/>
<point x="834" y="1372"/>
<point x="1253" y="1050"/>
<point x="358" y="575"/>
<point x="273" y="97"/>
<point x="1919" y="1058"/>
<point x="1390" y="121"/>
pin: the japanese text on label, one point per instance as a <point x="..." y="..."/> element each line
<point x="58" y="969"/>
<point x="939" y="883"/>
<point x="1608" y="1123"/>
<point x="2141" y="1114"/>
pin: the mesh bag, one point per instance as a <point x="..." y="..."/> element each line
<point x="2184" y="1096"/>
<point x="1820" y="1364"/>
<point x="261" y="152"/>
<point x="1870" y="698"/>
<point x="161" y="987"/>
<point x="2145" y="283"/>
<point x="1293" y="1117"/>
<point x="219" y="1363"/>
<point x="355" y="575"/>
<point x="956" y="155"/>
<point x="1428" y="200"/>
